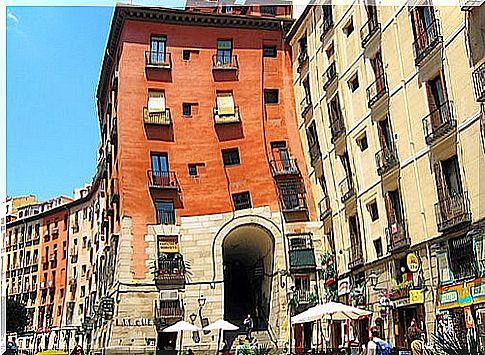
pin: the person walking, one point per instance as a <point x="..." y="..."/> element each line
<point x="248" y="325"/>
<point x="414" y="337"/>
<point x="376" y="345"/>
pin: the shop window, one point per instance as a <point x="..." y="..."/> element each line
<point x="444" y="272"/>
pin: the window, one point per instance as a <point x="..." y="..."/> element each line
<point x="306" y="90"/>
<point x="156" y="101"/>
<point x="85" y="213"/>
<point x="83" y="291"/>
<point x="224" y="51"/>
<point x="165" y="212"/>
<point x="270" y="96"/>
<point x="225" y="103"/>
<point x="158" y="46"/>
<point x="378" y="247"/>
<point x="444" y="272"/>
<point x="349" y="27"/>
<point x="330" y="51"/>
<point x="362" y="142"/>
<point x="303" y="46"/>
<point x="373" y="211"/>
<point x="85" y="242"/>
<point x="268" y="10"/>
<point x="354" y="83"/>
<point x="462" y="257"/>
<point x="451" y="174"/>
<point x="186" y="109"/>
<point x="186" y="54"/>
<point x="437" y="101"/>
<point x="64" y="249"/>
<point x="65" y="222"/>
<point x="193" y="170"/>
<point x="241" y="200"/>
<point x="269" y="51"/>
<point x="83" y="270"/>
<point x="231" y="157"/>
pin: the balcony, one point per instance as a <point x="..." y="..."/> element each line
<point x="304" y="297"/>
<point x="337" y="127"/>
<point x="453" y="211"/>
<point x="167" y="311"/>
<point x="158" y="60"/>
<point x="370" y="28"/>
<point x="397" y="238"/>
<point x="478" y="76"/>
<point x="324" y="208"/>
<point x="225" y="62"/>
<point x="386" y="160"/>
<point x="427" y="42"/>
<point x="165" y="216"/>
<point x="330" y="75"/>
<point x="159" y="118"/>
<point x="347" y="190"/>
<point x="305" y="106"/>
<point x="469" y="5"/>
<point x="377" y="90"/>
<point x="169" y="273"/>
<point x="301" y="254"/>
<point x="326" y="26"/>
<point x="165" y="180"/>
<point x="52" y="284"/>
<point x="315" y="154"/>
<point x="356" y="258"/>
<point x="73" y="282"/>
<point x="284" y="167"/>
<point x="292" y="196"/>
<point x="439" y="123"/>
<point x="302" y="61"/>
<point x="224" y="117"/>
<point x="55" y="232"/>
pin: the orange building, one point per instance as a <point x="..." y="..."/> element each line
<point x="208" y="206"/>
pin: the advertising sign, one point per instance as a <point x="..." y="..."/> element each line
<point x="413" y="262"/>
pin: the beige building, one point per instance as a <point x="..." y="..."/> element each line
<point x="391" y="124"/>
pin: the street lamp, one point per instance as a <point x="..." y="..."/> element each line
<point x="193" y="317"/>
<point x="373" y="277"/>
<point x="201" y="300"/>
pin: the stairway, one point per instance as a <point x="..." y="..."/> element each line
<point x="262" y="336"/>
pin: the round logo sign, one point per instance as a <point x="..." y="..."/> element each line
<point x="413" y="262"/>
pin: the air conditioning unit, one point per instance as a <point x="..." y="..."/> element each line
<point x="171" y="295"/>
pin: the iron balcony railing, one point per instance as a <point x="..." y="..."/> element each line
<point x="222" y="117"/>
<point x="315" y="154"/>
<point x="163" y="309"/>
<point x="285" y="167"/>
<point x="371" y="27"/>
<point x="162" y="118"/>
<point x="325" y="208"/>
<point x="347" y="190"/>
<point x="165" y="216"/>
<point x="337" y="127"/>
<point x="304" y="296"/>
<point x="478" y="76"/>
<point x="397" y="237"/>
<point x="427" y="41"/>
<point x="225" y="62"/>
<point x="356" y="257"/>
<point x="326" y="26"/>
<point x="302" y="59"/>
<point x="169" y="272"/>
<point x="305" y="105"/>
<point x="377" y="90"/>
<point x="469" y="5"/>
<point x="114" y="131"/>
<point x="160" y="60"/>
<point x="162" y="179"/>
<point x="439" y="123"/>
<point x="452" y="211"/>
<point x="386" y="160"/>
<point x="293" y="201"/>
<point x="330" y="75"/>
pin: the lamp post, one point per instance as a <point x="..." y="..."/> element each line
<point x="289" y="295"/>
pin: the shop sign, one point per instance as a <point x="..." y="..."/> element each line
<point x="343" y="286"/>
<point x="416" y="296"/>
<point x="448" y="297"/>
<point x="468" y="318"/>
<point x="413" y="262"/>
<point x="403" y="302"/>
<point x="478" y="291"/>
<point x="128" y="322"/>
<point x="168" y="245"/>
<point x="462" y="295"/>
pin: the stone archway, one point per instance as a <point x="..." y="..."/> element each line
<point x="248" y="258"/>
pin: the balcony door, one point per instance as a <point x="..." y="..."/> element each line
<point x="451" y="176"/>
<point x="385" y="135"/>
<point x="156" y="101"/>
<point x="224" y="52"/>
<point x="160" y="173"/>
<point x="393" y="204"/>
<point x="158" y="47"/>
<point x="378" y="69"/>
<point x="355" y="242"/>
<point x="437" y="99"/>
<point x="281" y="155"/>
<point x="422" y="18"/>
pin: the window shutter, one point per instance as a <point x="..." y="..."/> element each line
<point x="225" y="103"/>
<point x="440" y="184"/>
<point x="156" y="101"/>
<point x="390" y="212"/>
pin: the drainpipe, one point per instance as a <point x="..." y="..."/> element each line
<point x="66" y="208"/>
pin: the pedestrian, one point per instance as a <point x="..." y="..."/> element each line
<point x="414" y="335"/>
<point x="240" y="349"/>
<point x="376" y="345"/>
<point x="248" y="325"/>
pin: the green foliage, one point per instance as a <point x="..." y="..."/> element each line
<point x="312" y="298"/>
<point x="150" y="352"/>
<point x="16" y="316"/>
<point x="447" y="344"/>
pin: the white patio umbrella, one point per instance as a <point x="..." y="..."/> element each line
<point x="220" y="325"/>
<point x="330" y="310"/>
<point x="180" y="326"/>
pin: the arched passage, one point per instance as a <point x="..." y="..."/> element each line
<point x="248" y="254"/>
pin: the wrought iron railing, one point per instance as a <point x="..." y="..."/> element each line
<point x="397" y="237"/>
<point x="167" y="309"/>
<point x="370" y="28"/>
<point x="315" y="153"/>
<point x="161" y="60"/>
<point x="221" y="118"/>
<point x="165" y="216"/>
<point x="162" y="179"/>
<point x="386" y="160"/>
<point x="439" y="123"/>
<point x="478" y="76"/>
<point x="452" y="211"/>
<point x="356" y="257"/>
<point x="347" y="190"/>
<point x="169" y="272"/>
<point x="159" y="117"/>
<point x="330" y="75"/>
<point x="376" y="90"/>
<point x="337" y="127"/>
<point x="324" y="207"/>
<point x="326" y="26"/>
<point x="305" y="105"/>
<point x="225" y="62"/>
<point x="284" y="167"/>
<point x="427" y="41"/>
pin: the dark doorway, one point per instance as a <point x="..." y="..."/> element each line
<point x="166" y="343"/>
